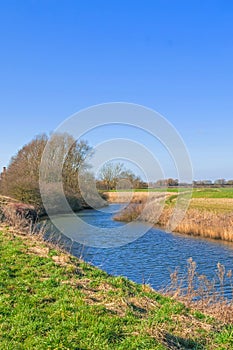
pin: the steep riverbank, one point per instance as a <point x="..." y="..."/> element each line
<point x="51" y="300"/>
<point x="12" y="210"/>
<point x="205" y="217"/>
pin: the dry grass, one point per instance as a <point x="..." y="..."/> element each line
<point x="198" y="221"/>
<point x="6" y="199"/>
<point x="186" y="326"/>
<point x="198" y="292"/>
<point x="144" y="206"/>
<point x="15" y="219"/>
<point x="18" y="225"/>
<point x="217" y="205"/>
<point x="207" y="224"/>
<point x="134" y="197"/>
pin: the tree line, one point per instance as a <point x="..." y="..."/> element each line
<point x="21" y="179"/>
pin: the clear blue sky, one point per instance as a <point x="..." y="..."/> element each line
<point x="173" y="56"/>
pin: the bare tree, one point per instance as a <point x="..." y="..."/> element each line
<point x="135" y="181"/>
<point x="76" y="161"/>
<point x="21" y="180"/>
<point x="110" y="174"/>
<point x="22" y="176"/>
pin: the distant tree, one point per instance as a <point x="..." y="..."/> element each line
<point x="172" y="182"/>
<point x="165" y="183"/>
<point x="135" y="181"/>
<point x="220" y="182"/>
<point x="207" y="182"/>
<point x="159" y="183"/>
<point x="110" y="174"/>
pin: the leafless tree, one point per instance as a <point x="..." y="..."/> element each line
<point x="111" y="173"/>
<point x="21" y="180"/>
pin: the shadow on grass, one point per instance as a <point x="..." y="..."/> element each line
<point x="174" y="342"/>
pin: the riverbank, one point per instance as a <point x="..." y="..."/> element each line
<point x="52" y="300"/>
<point x="210" y="212"/>
<point x="14" y="212"/>
<point x="134" y="197"/>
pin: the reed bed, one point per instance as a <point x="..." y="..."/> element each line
<point x="134" y="197"/>
<point x="197" y="221"/>
<point x="197" y="291"/>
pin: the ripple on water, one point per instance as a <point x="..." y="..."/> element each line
<point x="152" y="257"/>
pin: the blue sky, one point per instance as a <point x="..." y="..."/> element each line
<point x="58" y="57"/>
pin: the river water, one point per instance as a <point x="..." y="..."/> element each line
<point x="151" y="258"/>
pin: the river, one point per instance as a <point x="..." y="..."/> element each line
<point x="151" y="258"/>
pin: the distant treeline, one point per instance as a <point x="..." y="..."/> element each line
<point x="198" y="183"/>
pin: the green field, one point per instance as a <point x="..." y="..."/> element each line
<point x="50" y="300"/>
<point x="221" y="192"/>
<point x="213" y="193"/>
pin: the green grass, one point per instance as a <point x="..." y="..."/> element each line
<point x="172" y="189"/>
<point x="221" y="192"/>
<point x="72" y="305"/>
<point x="213" y="193"/>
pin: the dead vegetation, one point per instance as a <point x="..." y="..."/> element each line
<point x="134" y="197"/>
<point x="198" y="292"/>
<point x="198" y="221"/>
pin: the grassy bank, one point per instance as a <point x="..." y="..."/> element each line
<point x="51" y="300"/>
<point x="210" y="212"/>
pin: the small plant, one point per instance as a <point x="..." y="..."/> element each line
<point x="198" y="292"/>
